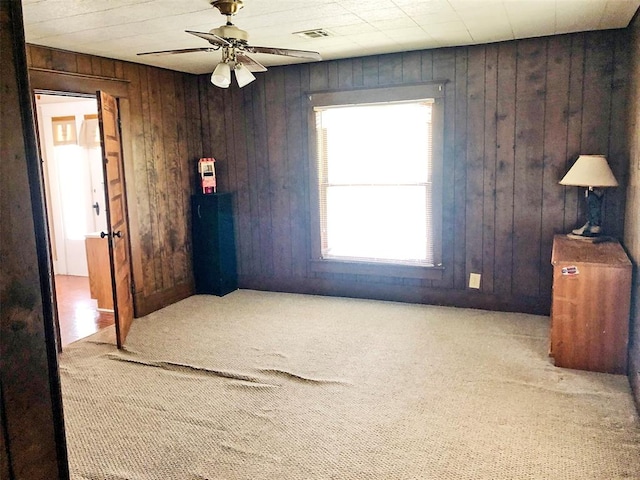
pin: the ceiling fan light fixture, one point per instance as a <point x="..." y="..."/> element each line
<point x="221" y="76"/>
<point x="243" y="75"/>
<point x="233" y="43"/>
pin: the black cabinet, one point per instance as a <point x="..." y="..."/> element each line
<point x="214" y="252"/>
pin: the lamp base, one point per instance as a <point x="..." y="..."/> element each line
<point x="582" y="239"/>
<point x="600" y="239"/>
<point x="590" y="233"/>
<point x="588" y="230"/>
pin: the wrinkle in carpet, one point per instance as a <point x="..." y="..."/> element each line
<point x="259" y="385"/>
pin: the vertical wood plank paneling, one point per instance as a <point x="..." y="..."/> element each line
<point x="597" y="111"/>
<point x="193" y="152"/>
<point x="490" y="157"/>
<point x="194" y="127"/>
<point x="174" y="226"/>
<point x="183" y="157"/>
<point x="390" y="69"/>
<point x="295" y="116"/>
<point x="141" y="271"/>
<point x="205" y="133"/>
<point x="345" y="74"/>
<point x="119" y="70"/>
<point x="222" y="138"/>
<point x="332" y="72"/>
<point x="96" y="66"/>
<point x="503" y="148"/>
<point x="370" y="71"/>
<point x="618" y="155"/>
<point x="275" y="111"/>
<point x="318" y="77"/>
<point x="163" y="138"/>
<point x="316" y="82"/>
<point x="263" y="185"/>
<point x="411" y="67"/>
<point x="108" y="67"/>
<point x="444" y="69"/>
<point x="33" y="444"/>
<point x="426" y="75"/>
<point x="304" y="181"/>
<point x="230" y="140"/>
<point x="28" y="50"/>
<point x="505" y="134"/>
<point x="156" y="174"/>
<point x="65" y="61"/>
<point x="598" y="68"/>
<point x="242" y="197"/>
<point x="629" y="43"/>
<point x="218" y="134"/>
<point x="474" y="193"/>
<point x="460" y="177"/>
<point x="254" y="212"/>
<point x="573" y="199"/>
<point x="555" y="150"/>
<point x="40" y="57"/>
<point x="527" y="211"/>
<point x="358" y="78"/>
<point x="152" y="274"/>
<point x="427" y="66"/>
<point x="83" y="64"/>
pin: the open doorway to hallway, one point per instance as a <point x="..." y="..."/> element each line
<point x="74" y="189"/>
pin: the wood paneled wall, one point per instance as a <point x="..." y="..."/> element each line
<point x="632" y="224"/>
<point x="162" y="140"/>
<point x="517" y="114"/>
<point x="32" y="443"/>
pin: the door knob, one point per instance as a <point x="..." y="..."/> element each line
<point x="113" y="235"/>
<point x="96" y="207"/>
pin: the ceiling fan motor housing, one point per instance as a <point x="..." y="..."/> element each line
<point x="231" y="32"/>
<point x="227" y="7"/>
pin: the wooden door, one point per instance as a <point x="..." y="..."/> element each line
<point x="117" y="222"/>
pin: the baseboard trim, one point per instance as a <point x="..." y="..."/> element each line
<point x="145" y="305"/>
<point x="401" y="293"/>
<point x="634" y="377"/>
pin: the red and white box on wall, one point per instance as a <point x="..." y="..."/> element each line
<point x="207" y="170"/>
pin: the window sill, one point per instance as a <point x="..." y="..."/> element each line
<point x="378" y="269"/>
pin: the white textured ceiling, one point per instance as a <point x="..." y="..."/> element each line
<point x="121" y="28"/>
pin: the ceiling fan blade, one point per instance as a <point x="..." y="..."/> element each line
<point x="182" y="50"/>
<point x="284" y="51"/>
<point x="210" y="37"/>
<point x="250" y="63"/>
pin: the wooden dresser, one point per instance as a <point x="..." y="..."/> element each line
<point x="99" y="271"/>
<point x="590" y="305"/>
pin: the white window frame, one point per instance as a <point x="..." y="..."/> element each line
<point x="432" y="92"/>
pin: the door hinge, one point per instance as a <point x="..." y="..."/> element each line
<point x="133" y="287"/>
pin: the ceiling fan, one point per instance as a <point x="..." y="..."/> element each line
<point x="234" y="45"/>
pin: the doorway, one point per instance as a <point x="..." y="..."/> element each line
<point x="76" y="212"/>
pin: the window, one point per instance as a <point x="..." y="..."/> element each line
<point x="377" y="165"/>
<point x="64" y="130"/>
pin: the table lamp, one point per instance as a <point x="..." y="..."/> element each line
<point x="593" y="173"/>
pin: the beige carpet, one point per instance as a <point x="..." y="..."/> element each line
<point x="259" y="385"/>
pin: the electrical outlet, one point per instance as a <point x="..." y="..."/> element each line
<point x="474" y="280"/>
